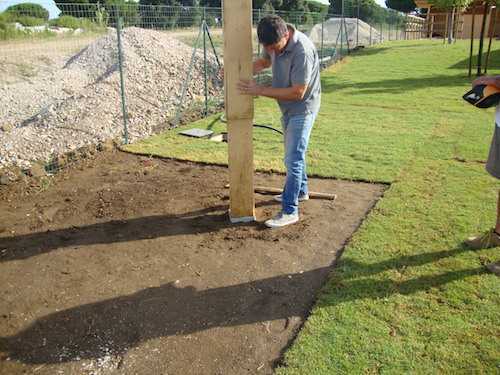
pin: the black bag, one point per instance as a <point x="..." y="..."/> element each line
<point x="483" y="96"/>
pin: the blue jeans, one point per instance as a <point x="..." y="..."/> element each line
<point x="296" y="131"/>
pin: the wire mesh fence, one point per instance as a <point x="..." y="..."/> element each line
<point x="88" y="73"/>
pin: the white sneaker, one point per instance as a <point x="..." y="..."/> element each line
<point x="281" y="220"/>
<point x="302" y="198"/>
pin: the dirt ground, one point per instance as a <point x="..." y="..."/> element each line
<point x="129" y="265"/>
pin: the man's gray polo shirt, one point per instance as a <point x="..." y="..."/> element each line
<point x="297" y="64"/>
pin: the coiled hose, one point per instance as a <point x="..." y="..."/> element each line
<point x="222" y="118"/>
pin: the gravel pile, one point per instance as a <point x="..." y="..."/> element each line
<point x="79" y="104"/>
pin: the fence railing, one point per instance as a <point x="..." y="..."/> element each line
<point x="92" y="72"/>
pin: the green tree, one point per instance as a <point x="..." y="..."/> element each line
<point x="211" y="3"/>
<point x="405" y="6"/>
<point x="127" y="10"/>
<point x="297" y="11"/>
<point x="267" y="7"/>
<point x="318" y="11"/>
<point x="159" y="14"/>
<point x="191" y="14"/>
<point x="28" y="10"/>
<point x="369" y="10"/>
<point x="77" y="8"/>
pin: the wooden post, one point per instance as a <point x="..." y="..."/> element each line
<point x="432" y="27"/>
<point x="451" y="21"/>
<point x="428" y="21"/>
<point x="239" y="108"/>
<point x="445" y="29"/>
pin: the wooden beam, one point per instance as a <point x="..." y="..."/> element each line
<point x="237" y="19"/>
<point x="273" y="190"/>
<point x="312" y="194"/>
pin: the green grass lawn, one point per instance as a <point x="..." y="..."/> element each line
<point x="406" y="296"/>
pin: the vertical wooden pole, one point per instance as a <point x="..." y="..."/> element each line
<point x="432" y="27"/>
<point x="239" y="108"/>
<point x="451" y="22"/>
<point x="445" y="36"/>
<point x="428" y="19"/>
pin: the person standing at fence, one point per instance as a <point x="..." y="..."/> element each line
<point x="492" y="237"/>
<point x="297" y="88"/>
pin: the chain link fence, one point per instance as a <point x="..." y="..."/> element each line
<point x="90" y="73"/>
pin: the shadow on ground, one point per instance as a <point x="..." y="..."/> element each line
<point x="82" y="333"/>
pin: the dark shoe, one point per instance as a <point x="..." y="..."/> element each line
<point x="483" y="241"/>
<point x="494" y="268"/>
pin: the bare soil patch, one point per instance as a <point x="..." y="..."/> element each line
<point x="129" y="265"/>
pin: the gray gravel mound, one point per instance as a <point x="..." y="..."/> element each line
<point x="79" y="103"/>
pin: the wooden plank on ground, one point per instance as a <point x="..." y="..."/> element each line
<point x="237" y="18"/>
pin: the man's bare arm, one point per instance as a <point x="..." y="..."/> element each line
<point x="487" y="80"/>
<point x="294" y="93"/>
<point x="260" y="64"/>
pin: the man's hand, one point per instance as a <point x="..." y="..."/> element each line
<point x="249" y="87"/>
<point x="260" y="64"/>
<point x="487" y="80"/>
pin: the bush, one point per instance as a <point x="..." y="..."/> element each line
<point x="5" y="18"/>
<point x="66" y="21"/>
<point x="8" y="19"/>
<point x="29" y="10"/>
<point x="9" y="32"/>
<point x="29" y="21"/>
<point x="76" y="23"/>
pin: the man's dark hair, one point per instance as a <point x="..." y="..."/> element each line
<point x="271" y="29"/>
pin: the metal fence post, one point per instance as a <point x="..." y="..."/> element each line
<point x="213" y="45"/>
<point x="122" y="82"/>
<point x="187" y="81"/>
<point x="334" y="55"/>
<point x="258" y="43"/>
<point x="342" y="30"/>
<point x="357" y="26"/>
<point x="347" y="37"/>
<point x="205" y="73"/>
<point x="322" y="38"/>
